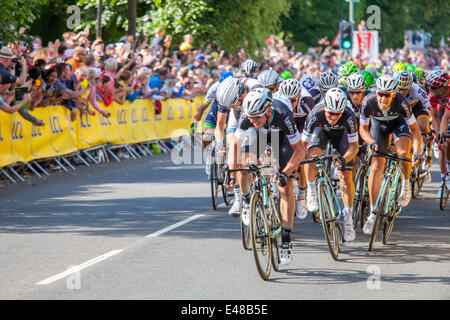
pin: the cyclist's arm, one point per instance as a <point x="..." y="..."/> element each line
<point x="444" y="122"/>
<point x="220" y="126"/>
<point x="352" y="150"/>
<point x="435" y="122"/>
<point x="416" y="136"/>
<point x="199" y="112"/>
<point x="296" y="158"/>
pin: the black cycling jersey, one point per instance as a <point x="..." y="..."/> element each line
<point x="399" y="108"/>
<point x="281" y="126"/>
<point x="318" y="132"/>
<point x="316" y="95"/>
<point x="316" y="119"/>
<point x="282" y="121"/>
<point x="396" y="120"/>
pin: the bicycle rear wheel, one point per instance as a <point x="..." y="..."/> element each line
<point x="415" y="177"/>
<point x="260" y="236"/>
<point x="444" y="196"/>
<point x="224" y="183"/>
<point x="328" y="222"/>
<point x="382" y="207"/>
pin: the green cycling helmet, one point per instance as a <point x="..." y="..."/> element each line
<point x="286" y="75"/>
<point x="348" y="68"/>
<point x="410" y="68"/>
<point x="342" y="81"/>
<point x="368" y="77"/>
<point x="419" y="73"/>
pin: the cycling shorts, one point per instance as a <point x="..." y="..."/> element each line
<point x="337" y="137"/>
<point x="381" y="131"/>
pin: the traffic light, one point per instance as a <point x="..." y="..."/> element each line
<point x="346" y="31"/>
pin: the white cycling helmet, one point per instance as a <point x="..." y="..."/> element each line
<point x="268" y="78"/>
<point x="248" y="67"/>
<point x="335" y="100"/>
<point x="328" y="80"/>
<point x="404" y="79"/>
<point x="228" y="92"/>
<point x="257" y="101"/>
<point x="290" y="88"/>
<point x="387" y="83"/>
<point x="355" y="81"/>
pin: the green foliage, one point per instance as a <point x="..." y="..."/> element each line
<point x="15" y="14"/>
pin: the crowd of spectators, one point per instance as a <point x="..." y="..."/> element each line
<point x="79" y="74"/>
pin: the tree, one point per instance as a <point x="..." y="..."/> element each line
<point x="15" y="14"/>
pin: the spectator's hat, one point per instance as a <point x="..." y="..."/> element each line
<point x="7" y="53"/>
<point x="200" y="57"/>
<point x="6" y="77"/>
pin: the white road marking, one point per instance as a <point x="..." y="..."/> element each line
<point x="91" y="262"/>
<point x="80" y="267"/>
<point x="176" y="225"/>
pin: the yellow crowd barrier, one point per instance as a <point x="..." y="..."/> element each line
<point x="21" y="141"/>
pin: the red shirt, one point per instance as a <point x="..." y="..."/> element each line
<point x="438" y="102"/>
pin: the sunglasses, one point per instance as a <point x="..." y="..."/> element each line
<point x="355" y="92"/>
<point x="384" y="94"/>
<point x="334" y="114"/>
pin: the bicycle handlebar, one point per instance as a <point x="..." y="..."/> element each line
<point x="393" y="156"/>
<point x="317" y="159"/>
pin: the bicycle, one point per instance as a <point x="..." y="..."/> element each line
<point x="219" y="177"/>
<point x="361" y="204"/>
<point x="329" y="208"/>
<point x="265" y="222"/>
<point x="419" y="172"/>
<point x="387" y="206"/>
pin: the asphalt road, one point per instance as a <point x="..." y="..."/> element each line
<point x="145" y="229"/>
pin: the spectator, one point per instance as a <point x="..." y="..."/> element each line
<point x="77" y="61"/>
<point x="65" y="87"/>
<point x="6" y="80"/>
<point x="157" y="43"/>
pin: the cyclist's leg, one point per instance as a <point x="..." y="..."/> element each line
<point x="403" y="146"/>
<point x="382" y="137"/>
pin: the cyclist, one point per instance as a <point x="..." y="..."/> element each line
<point x="438" y="81"/>
<point x="286" y="75"/>
<point x="347" y="69"/>
<point x="356" y="85"/>
<point x="327" y="80"/>
<point x="417" y="99"/>
<point x="388" y="113"/>
<point x="331" y="121"/>
<point x="398" y="67"/>
<point x="230" y="95"/>
<point x="420" y="77"/>
<point x="300" y="106"/>
<point x="248" y="68"/>
<point x="270" y="80"/>
<point x="369" y="79"/>
<point x="211" y="118"/>
<point x="267" y="115"/>
<point x="310" y="87"/>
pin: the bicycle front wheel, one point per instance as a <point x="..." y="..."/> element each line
<point x="359" y="195"/>
<point x="391" y="213"/>
<point x="214" y="186"/>
<point x="328" y="222"/>
<point x="260" y="236"/>
<point x="444" y="196"/>
<point x="245" y="230"/>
